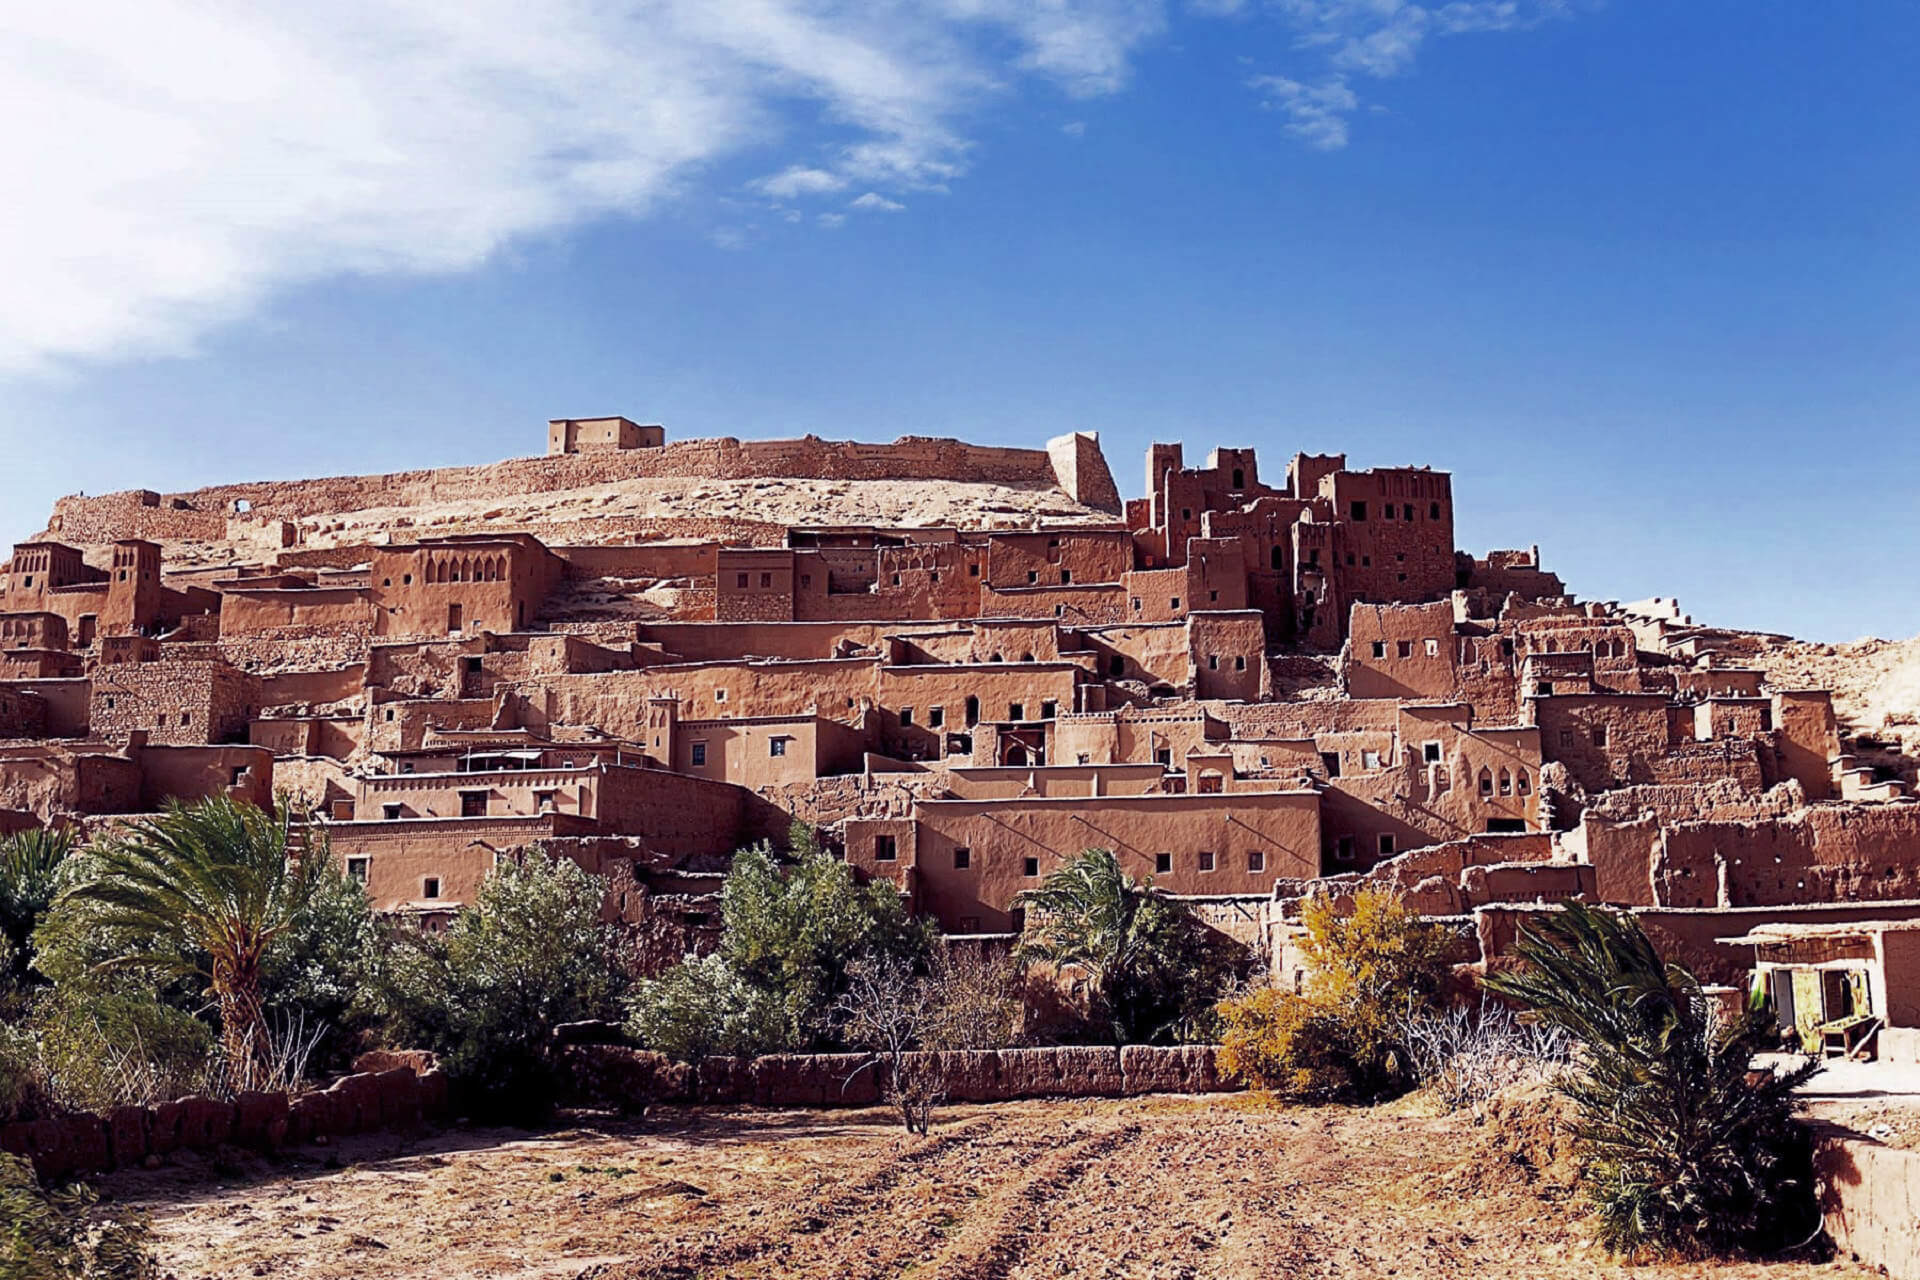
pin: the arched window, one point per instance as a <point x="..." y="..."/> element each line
<point x="1520" y="783"/>
<point x="1486" y="782"/>
<point x="1506" y="783"/>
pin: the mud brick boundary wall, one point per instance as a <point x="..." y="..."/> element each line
<point x="1870" y="1200"/>
<point x="89" y="1142"/>
<point x="624" y="1077"/>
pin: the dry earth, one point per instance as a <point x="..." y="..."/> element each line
<point x="1875" y="683"/>
<point x="1160" y="1188"/>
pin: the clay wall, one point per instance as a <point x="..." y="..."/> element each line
<point x="267" y="612"/>
<point x="616" y="701"/>
<point x="1604" y="740"/>
<point x="1394" y="533"/>
<point x="1400" y="651"/>
<point x="1227" y="652"/>
<point x="41" y="630"/>
<point x="68" y="703"/>
<point x="1279" y="831"/>
<point x="757" y="752"/>
<point x="188" y="773"/>
<point x="754" y="586"/>
<point x="23" y="714"/>
<point x="402" y="857"/>
<point x="85" y="1142"/>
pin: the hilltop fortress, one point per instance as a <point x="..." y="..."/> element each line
<point x="963" y="664"/>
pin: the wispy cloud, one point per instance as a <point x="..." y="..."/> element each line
<point x="172" y="163"/>
<point x="1376" y="38"/>
<point x="1316" y="113"/>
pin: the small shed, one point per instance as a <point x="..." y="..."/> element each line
<point x="1843" y="989"/>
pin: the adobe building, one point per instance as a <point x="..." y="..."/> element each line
<point x="1251" y="685"/>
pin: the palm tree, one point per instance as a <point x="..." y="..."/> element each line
<point x="29" y="867"/>
<point x="1688" y="1150"/>
<point x="1144" y="953"/>
<point x="203" y="891"/>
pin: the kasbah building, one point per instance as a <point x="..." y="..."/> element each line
<point x="963" y="665"/>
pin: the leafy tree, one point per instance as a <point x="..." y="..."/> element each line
<point x="316" y="975"/>
<point x="104" y="1047"/>
<point x="703" y="1007"/>
<point x="30" y="864"/>
<point x="1150" y="963"/>
<point x="1688" y="1151"/>
<point x="793" y="931"/>
<point x="202" y="892"/>
<point x="57" y="1235"/>
<point x="1369" y="966"/>
<point x="528" y="954"/>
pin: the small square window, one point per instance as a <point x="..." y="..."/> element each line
<point x="1404" y="649"/>
<point x="1066" y="576"/>
<point x="806" y="579"/>
<point x="884" y="849"/>
<point x="777" y="746"/>
<point x="1433" y="648"/>
<point x="1174" y="603"/>
<point x="358" y="869"/>
<point x="1386" y="842"/>
<point x="699" y="753"/>
<point x="1162" y="863"/>
<point x="1033" y="576"/>
<point x="390" y="812"/>
<point x="906" y="717"/>
<point x="1379" y="648"/>
<point x="936" y="716"/>
<point x="1016" y="711"/>
<point x="1369" y="759"/>
<point x="1433" y="511"/>
<point x="1599" y="735"/>
<point x="766" y="579"/>
<point x="973" y="571"/>
<point x="1213" y="662"/>
<point x="740" y="581"/>
<point x="1357" y="510"/>
<point x="1240" y="662"/>
<point x="1256" y="860"/>
<point x="1030" y="867"/>
<point x="962" y="858"/>
<point x="1343" y="849"/>
<point x="719" y="695"/>
<point x="430" y="887"/>
<point x="1430" y="752"/>
<point x="1204" y="859"/>
<point x="896" y="579"/>
<point x="1048" y="709"/>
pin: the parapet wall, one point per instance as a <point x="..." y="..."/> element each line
<point x="634" y="1078"/>
<point x="1866" y="1194"/>
<point x="203" y="514"/>
<point x="89" y="1142"/>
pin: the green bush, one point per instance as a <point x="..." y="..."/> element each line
<point x="102" y="1048"/>
<point x="316" y="976"/>
<point x="528" y="954"/>
<point x="702" y="1007"/>
<point x="58" y="1235"/>
<point x="792" y="931"/>
<point x="1687" y="1152"/>
<point x="1154" y="969"/>
<point x="1288" y="1045"/>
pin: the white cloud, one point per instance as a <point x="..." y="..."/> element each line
<point x="874" y="202"/>
<point x="172" y="163"/>
<point x="1316" y="114"/>
<point x="800" y="181"/>
<point x="1074" y="128"/>
<point x="1378" y="38"/>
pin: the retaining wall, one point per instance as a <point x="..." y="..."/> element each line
<point x="631" y="1078"/>
<point x="90" y="1142"/>
<point x="1870" y="1200"/>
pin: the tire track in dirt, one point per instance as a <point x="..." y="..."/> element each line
<point x="989" y="1247"/>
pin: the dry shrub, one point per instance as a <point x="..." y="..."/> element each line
<point x="1463" y="1056"/>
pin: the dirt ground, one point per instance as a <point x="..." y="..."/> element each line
<point x="1162" y="1188"/>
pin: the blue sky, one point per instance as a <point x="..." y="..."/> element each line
<point x="1642" y="276"/>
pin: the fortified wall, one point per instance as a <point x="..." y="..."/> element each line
<point x="1072" y="463"/>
